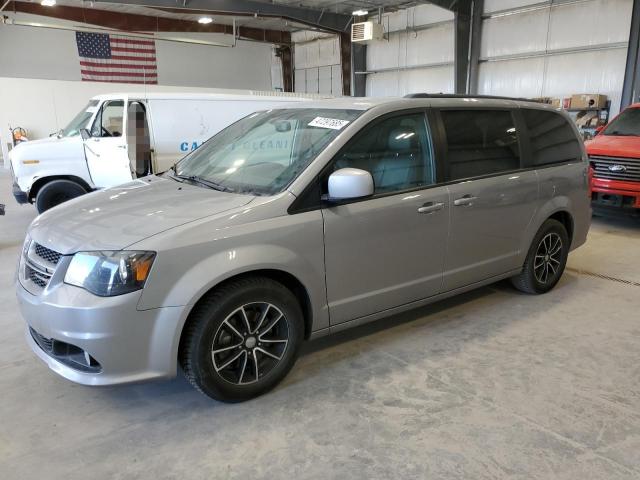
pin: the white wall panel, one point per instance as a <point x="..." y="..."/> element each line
<point x="336" y="80"/>
<point x="517" y="78"/>
<point x="496" y="5"/>
<point x="602" y="23"/>
<point x="324" y="80"/>
<point x="409" y="48"/>
<point x="300" y="81"/>
<point x="419" y="15"/>
<point x="312" y="80"/>
<point x="593" y="23"/>
<point x="433" y="80"/>
<point x="589" y="72"/>
<point x="316" y="57"/>
<point x="513" y="34"/>
<point x="430" y="46"/>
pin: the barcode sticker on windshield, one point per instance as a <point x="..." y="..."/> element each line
<point x="332" y="123"/>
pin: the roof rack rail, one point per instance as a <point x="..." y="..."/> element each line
<point x="461" y="95"/>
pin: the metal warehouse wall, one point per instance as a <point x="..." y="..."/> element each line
<point x="316" y="59"/>
<point x="418" y="55"/>
<point x="575" y="46"/>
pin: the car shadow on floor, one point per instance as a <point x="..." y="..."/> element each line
<point x="331" y="349"/>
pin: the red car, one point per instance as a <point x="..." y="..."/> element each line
<point x="614" y="155"/>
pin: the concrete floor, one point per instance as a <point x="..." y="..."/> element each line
<point x="492" y="384"/>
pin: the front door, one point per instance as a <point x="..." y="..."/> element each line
<point x="106" y="149"/>
<point x="492" y="200"/>
<point x="387" y="250"/>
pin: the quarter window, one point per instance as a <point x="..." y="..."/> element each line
<point x="396" y="151"/>
<point x="480" y="142"/>
<point x="552" y="138"/>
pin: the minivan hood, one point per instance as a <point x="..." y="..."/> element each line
<point x="114" y="218"/>
<point x="614" y="146"/>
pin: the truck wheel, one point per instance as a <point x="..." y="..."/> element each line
<point x="56" y="192"/>
<point x="546" y="259"/>
<point x="242" y="339"/>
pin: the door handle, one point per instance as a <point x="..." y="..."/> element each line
<point x="431" y="207"/>
<point x="466" y="200"/>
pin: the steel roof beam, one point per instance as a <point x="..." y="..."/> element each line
<point x="321" y="19"/>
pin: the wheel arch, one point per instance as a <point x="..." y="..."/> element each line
<point x="566" y="219"/>
<point x="42" y="181"/>
<point x="287" y="279"/>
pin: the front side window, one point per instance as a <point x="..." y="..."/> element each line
<point x="110" y="121"/>
<point x="627" y="124"/>
<point x="396" y="151"/>
<point x="264" y="152"/>
<point x="551" y="137"/>
<point x="480" y="142"/>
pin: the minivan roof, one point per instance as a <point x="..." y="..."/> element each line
<point x="250" y="95"/>
<point x="440" y="100"/>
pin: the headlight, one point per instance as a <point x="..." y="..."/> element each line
<point x="108" y="274"/>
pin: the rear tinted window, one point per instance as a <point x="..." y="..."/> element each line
<point x="480" y="142"/>
<point x="552" y="138"/>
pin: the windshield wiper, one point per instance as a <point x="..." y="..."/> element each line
<point x="205" y="182"/>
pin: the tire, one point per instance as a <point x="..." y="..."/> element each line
<point x="57" y="192"/>
<point x="218" y="351"/>
<point x="545" y="263"/>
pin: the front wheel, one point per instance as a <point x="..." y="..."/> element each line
<point x="57" y="192"/>
<point x="546" y="259"/>
<point x="242" y="339"/>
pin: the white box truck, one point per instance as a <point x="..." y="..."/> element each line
<point x="119" y="137"/>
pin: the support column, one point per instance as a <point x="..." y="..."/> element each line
<point x="462" y="41"/>
<point x="476" y="39"/>
<point x="345" y="62"/>
<point x="631" y="84"/>
<point x="359" y="64"/>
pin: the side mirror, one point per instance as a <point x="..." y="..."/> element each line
<point x="349" y="183"/>
<point x="599" y="129"/>
<point x="85" y="134"/>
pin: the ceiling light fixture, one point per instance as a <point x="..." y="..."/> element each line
<point x="203" y="20"/>
<point x="48" y="3"/>
<point x="359" y="13"/>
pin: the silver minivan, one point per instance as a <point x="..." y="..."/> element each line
<point x="297" y="222"/>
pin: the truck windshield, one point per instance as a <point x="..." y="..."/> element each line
<point x="263" y="153"/>
<point x="80" y="121"/>
<point x="627" y="124"/>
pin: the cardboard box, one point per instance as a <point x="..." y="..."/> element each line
<point x="588" y="100"/>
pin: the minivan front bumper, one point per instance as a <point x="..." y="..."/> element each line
<point x="100" y="341"/>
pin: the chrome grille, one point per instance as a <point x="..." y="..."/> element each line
<point x="615" y="168"/>
<point x="39" y="264"/>
<point x="47" y="254"/>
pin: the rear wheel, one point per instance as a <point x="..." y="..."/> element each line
<point x="57" y="192"/>
<point x="242" y="340"/>
<point x="546" y="259"/>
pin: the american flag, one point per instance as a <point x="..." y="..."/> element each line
<point x="114" y="58"/>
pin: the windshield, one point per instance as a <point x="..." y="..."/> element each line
<point x="264" y="152"/>
<point x="625" y="124"/>
<point x="80" y="121"/>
